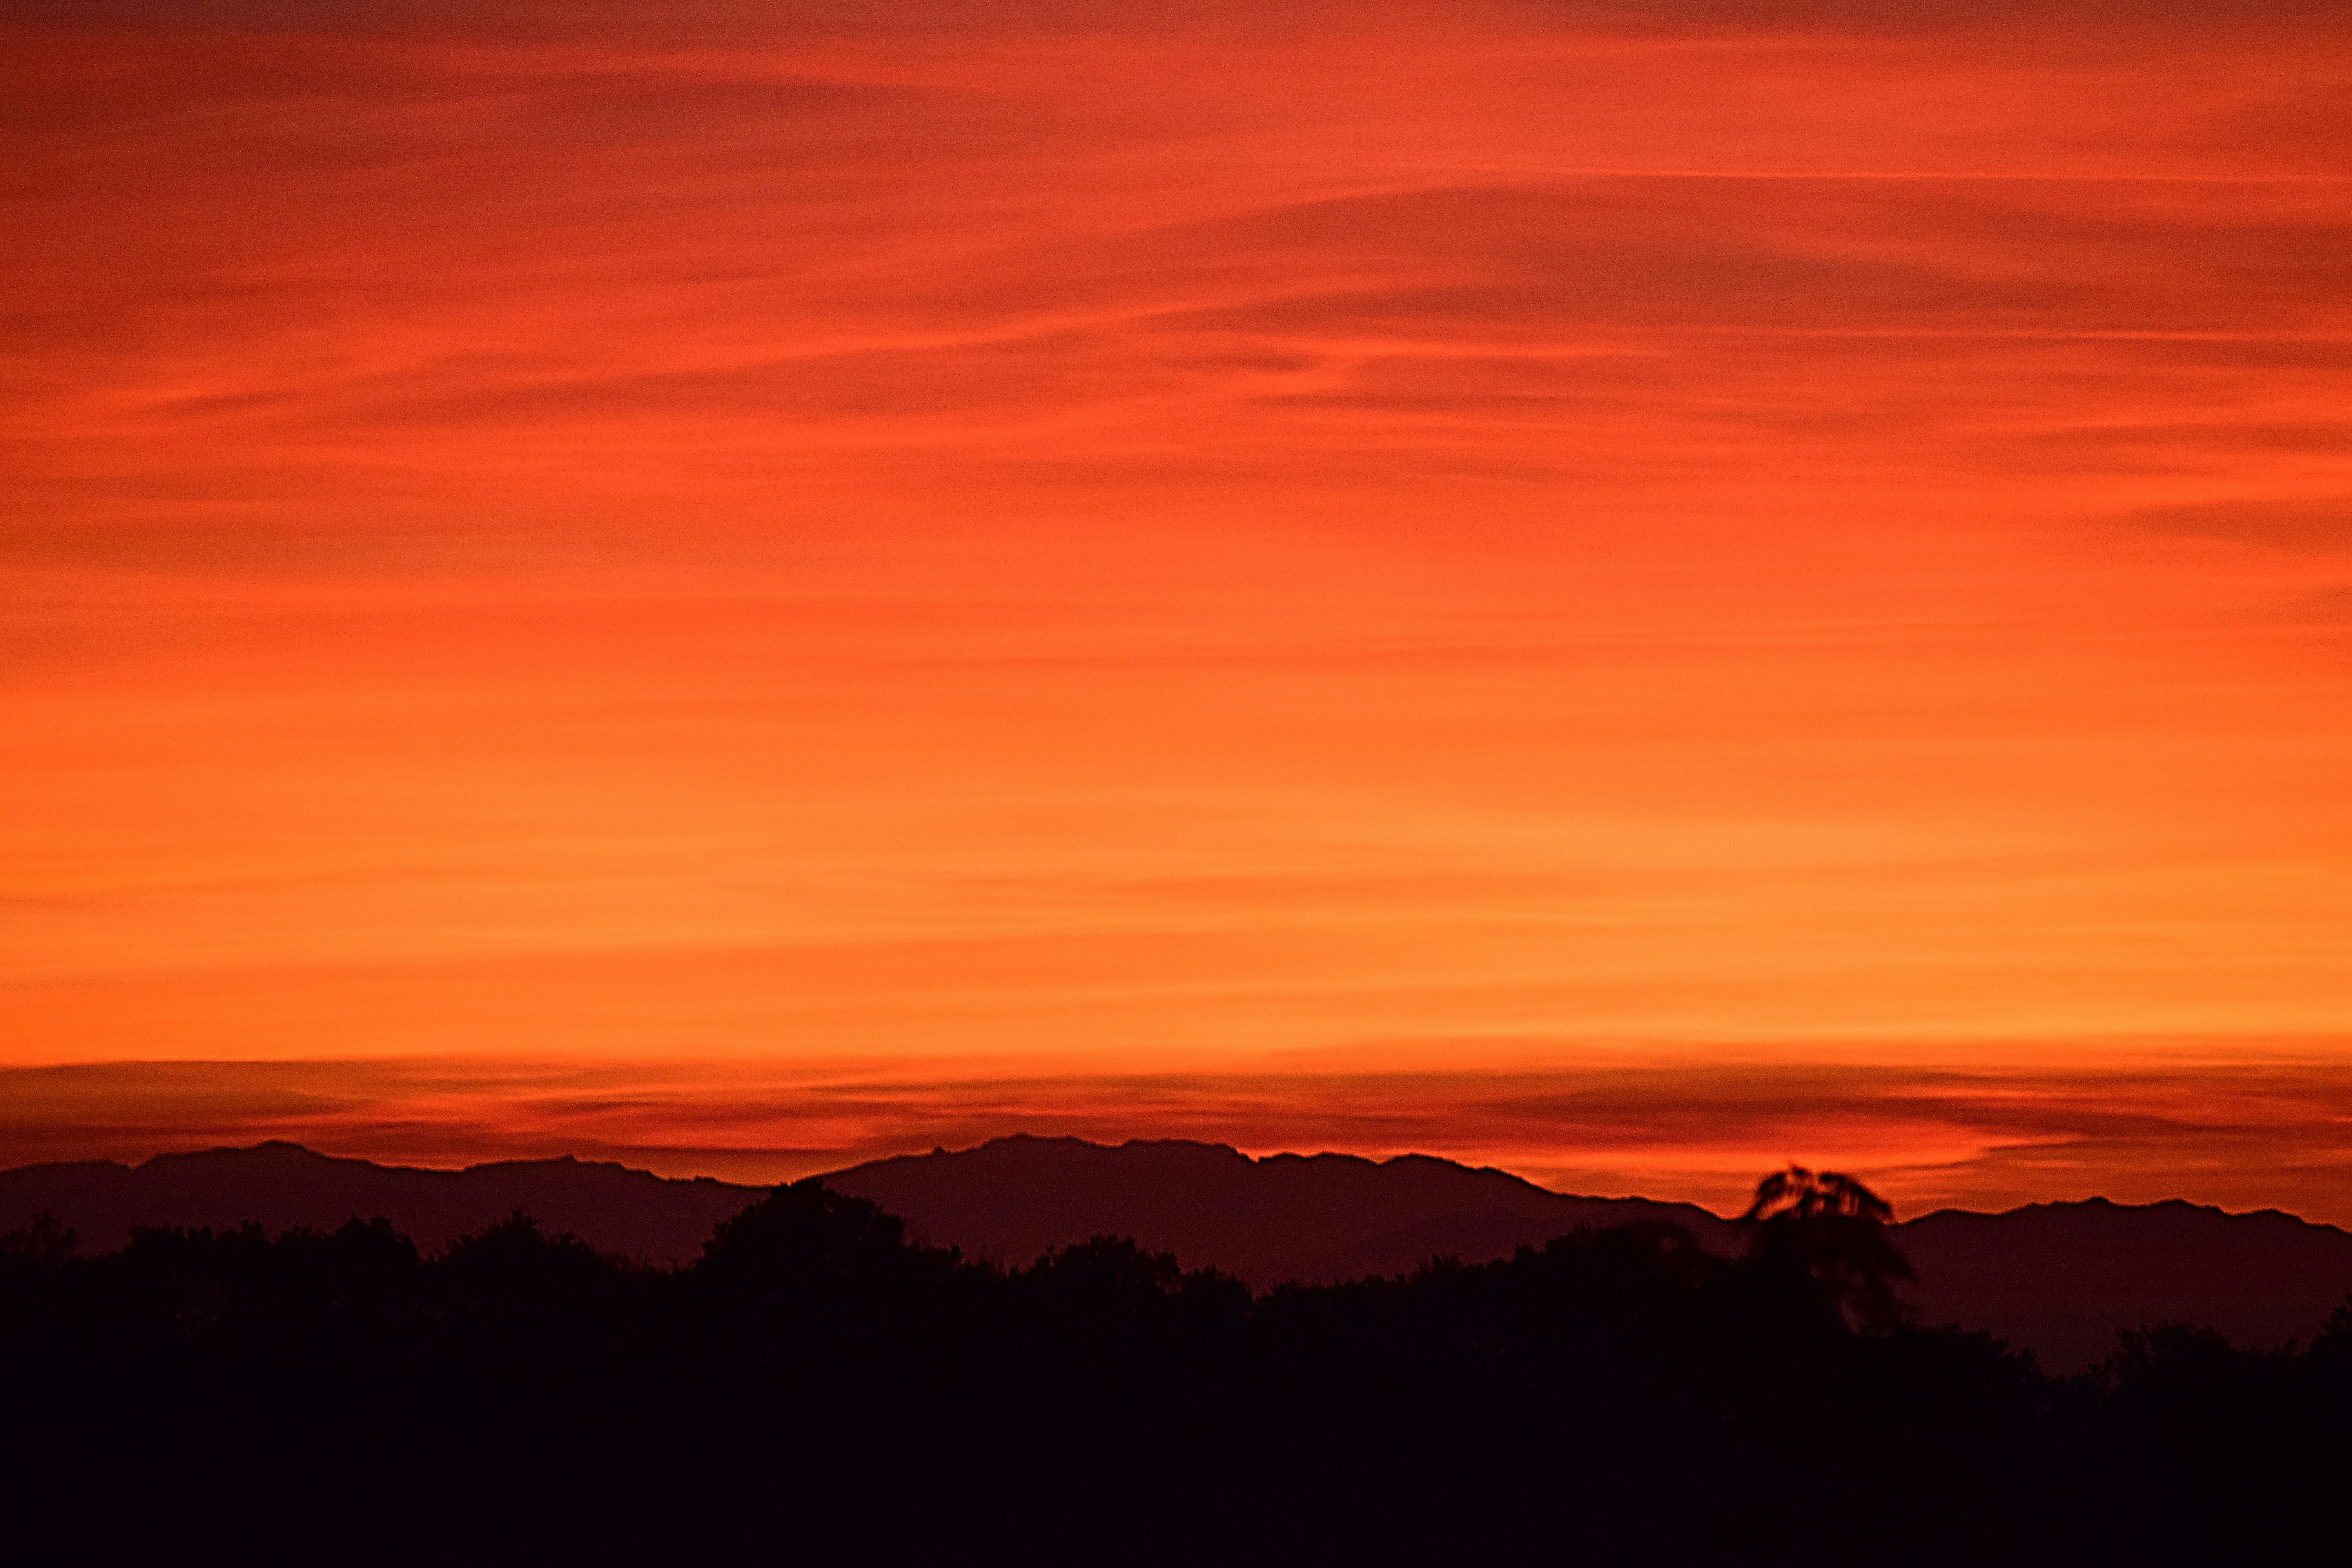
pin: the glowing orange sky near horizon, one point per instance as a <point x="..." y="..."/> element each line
<point x="796" y="588"/>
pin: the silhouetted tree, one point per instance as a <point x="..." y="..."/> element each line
<point x="1834" y="1228"/>
<point x="1808" y="1194"/>
<point x="44" y="1243"/>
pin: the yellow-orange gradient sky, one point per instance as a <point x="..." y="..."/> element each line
<point x="1626" y="591"/>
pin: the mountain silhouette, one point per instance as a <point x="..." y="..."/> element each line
<point x="633" y="1214"/>
<point x="2059" y="1278"/>
<point x="2062" y="1277"/>
<point x="1305" y="1217"/>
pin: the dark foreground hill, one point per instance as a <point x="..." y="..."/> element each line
<point x="814" y="1388"/>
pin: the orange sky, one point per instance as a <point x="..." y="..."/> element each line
<point x="1626" y="591"/>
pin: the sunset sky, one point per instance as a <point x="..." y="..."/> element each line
<point x="1630" y="592"/>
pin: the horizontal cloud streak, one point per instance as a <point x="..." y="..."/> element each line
<point x="2324" y="524"/>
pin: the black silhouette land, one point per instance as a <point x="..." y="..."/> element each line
<point x="2057" y="1278"/>
<point x="815" y="1384"/>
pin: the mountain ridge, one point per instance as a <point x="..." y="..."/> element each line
<point x="2058" y="1277"/>
<point x="281" y="1185"/>
<point x="1263" y="1218"/>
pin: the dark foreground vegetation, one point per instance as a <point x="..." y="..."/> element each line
<point x="817" y="1390"/>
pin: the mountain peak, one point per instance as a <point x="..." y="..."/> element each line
<point x="273" y="1148"/>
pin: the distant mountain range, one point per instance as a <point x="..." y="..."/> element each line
<point x="1285" y="1216"/>
<point x="2057" y="1278"/>
<point x="282" y="1186"/>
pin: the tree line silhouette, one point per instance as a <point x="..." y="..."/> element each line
<point x="818" y="1389"/>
